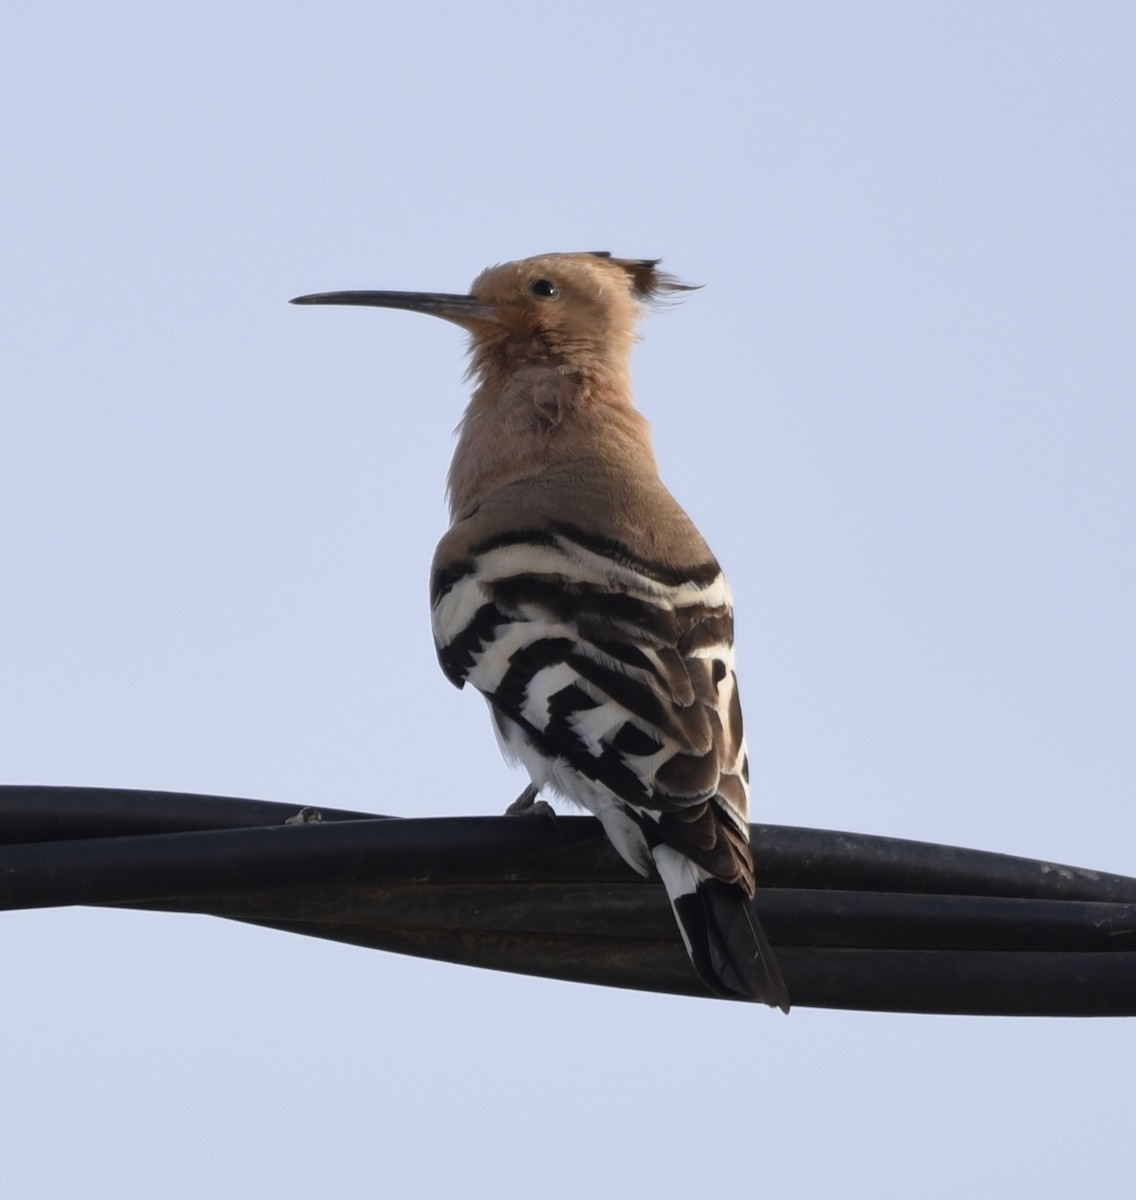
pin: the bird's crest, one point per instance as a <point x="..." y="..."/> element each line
<point x="648" y="283"/>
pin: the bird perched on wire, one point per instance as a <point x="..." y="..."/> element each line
<point x="577" y="596"/>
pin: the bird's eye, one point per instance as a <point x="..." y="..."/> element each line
<point x="544" y="287"/>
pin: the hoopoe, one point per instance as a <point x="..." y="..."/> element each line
<point x="577" y="596"/>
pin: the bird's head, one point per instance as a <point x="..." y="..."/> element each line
<point x="572" y="310"/>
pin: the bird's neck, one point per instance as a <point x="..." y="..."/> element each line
<point x="543" y="420"/>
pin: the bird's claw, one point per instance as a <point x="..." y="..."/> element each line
<point x="527" y="805"/>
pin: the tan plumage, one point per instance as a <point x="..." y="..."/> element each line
<point x="575" y="593"/>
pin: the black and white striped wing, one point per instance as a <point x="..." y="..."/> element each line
<point x="619" y="669"/>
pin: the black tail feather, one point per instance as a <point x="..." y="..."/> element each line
<point x="727" y="945"/>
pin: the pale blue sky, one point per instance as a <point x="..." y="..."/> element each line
<point x="901" y="409"/>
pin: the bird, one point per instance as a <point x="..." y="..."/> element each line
<point x="579" y="598"/>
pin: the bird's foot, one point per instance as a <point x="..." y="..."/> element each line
<point x="527" y="805"/>
<point x="306" y="816"/>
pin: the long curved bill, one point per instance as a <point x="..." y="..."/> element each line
<point x="460" y="309"/>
